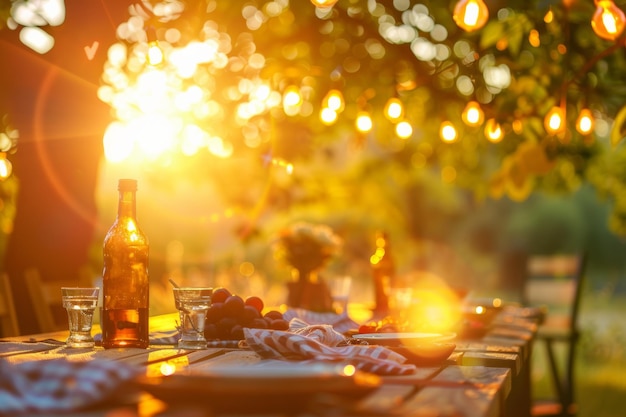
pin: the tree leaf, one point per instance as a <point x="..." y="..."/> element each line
<point x="491" y="34"/>
<point x="618" y="131"/>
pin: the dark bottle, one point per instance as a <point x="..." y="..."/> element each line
<point x="383" y="273"/>
<point x="125" y="281"/>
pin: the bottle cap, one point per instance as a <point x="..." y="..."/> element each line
<point x="127" y="185"/>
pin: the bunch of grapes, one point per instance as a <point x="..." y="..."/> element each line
<point x="229" y="314"/>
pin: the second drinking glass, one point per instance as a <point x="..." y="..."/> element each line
<point x="192" y="304"/>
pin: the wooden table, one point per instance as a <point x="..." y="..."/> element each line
<point x="484" y="377"/>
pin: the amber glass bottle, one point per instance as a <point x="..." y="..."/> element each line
<point x="383" y="271"/>
<point x="125" y="281"/>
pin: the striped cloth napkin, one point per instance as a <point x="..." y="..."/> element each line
<point x="340" y="322"/>
<point x="59" y="385"/>
<point x="321" y="342"/>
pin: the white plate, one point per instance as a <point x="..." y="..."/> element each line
<point x="254" y="389"/>
<point x="404" y="339"/>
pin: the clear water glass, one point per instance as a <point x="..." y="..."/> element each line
<point x="192" y="304"/>
<point x="80" y="304"/>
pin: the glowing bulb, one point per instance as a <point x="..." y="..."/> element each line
<point x="6" y="168"/>
<point x="471" y="15"/>
<point x="473" y="115"/>
<point x="585" y="122"/>
<point x="404" y="130"/>
<point x="334" y="100"/>
<point x="493" y="131"/>
<point x="155" y="54"/>
<point x="328" y="116"/>
<point x="608" y="20"/>
<point x="364" y="122"/>
<point x="549" y="17"/>
<point x="292" y="96"/>
<point x="447" y="132"/>
<point x="324" y="3"/>
<point x="394" y="109"/>
<point x="554" y="121"/>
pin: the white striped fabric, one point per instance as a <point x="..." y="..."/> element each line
<point x="276" y="344"/>
<point x="59" y="385"/>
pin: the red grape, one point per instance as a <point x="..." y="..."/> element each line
<point x="233" y="306"/>
<point x="255" y="302"/>
<point x="279" y="324"/>
<point x="249" y="313"/>
<point x="215" y="312"/>
<point x="259" y="324"/>
<point x="220" y="295"/>
<point x="237" y="332"/>
<point x="273" y="314"/>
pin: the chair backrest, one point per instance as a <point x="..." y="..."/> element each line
<point x="8" y="315"/>
<point x="555" y="281"/>
<point x="46" y="299"/>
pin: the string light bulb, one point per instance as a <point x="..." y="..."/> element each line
<point x="447" y="132"/>
<point x="394" y="109"/>
<point x="334" y="101"/>
<point x="292" y="96"/>
<point x="363" y="122"/>
<point x="608" y="21"/>
<point x="155" y="53"/>
<point x="585" y="122"/>
<point x="324" y="3"/>
<point x="328" y="116"/>
<point x="473" y="115"/>
<point x="470" y="15"/>
<point x="493" y="131"/>
<point x="6" y="168"/>
<point x="404" y="130"/>
<point x="554" y="122"/>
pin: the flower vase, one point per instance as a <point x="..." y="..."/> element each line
<point x="309" y="292"/>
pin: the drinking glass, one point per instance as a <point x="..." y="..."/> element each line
<point x="400" y="302"/>
<point x="80" y="304"/>
<point x="192" y="304"/>
<point x="340" y="293"/>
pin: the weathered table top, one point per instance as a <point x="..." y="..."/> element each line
<point x="484" y="377"/>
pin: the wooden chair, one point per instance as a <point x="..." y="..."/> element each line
<point x="8" y="315"/>
<point x="46" y="299"/>
<point x="555" y="282"/>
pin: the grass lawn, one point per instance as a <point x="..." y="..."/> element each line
<point x="600" y="362"/>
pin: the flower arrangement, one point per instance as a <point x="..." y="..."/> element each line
<point x="307" y="247"/>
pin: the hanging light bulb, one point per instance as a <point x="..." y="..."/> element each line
<point x="493" y="131"/>
<point x="549" y="16"/>
<point x="292" y="96"/>
<point x="404" y="129"/>
<point x="585" y="122"/>
<point x="155" y="53"/>
<point x="608" y="20"/>
<point x="363" y="122"/>
<point x="328" y="116"/>
<point x="470" y="15"/>
<point x="473" y="115"/>
<point x="6" y="168"/>
<point x="324" y="3"/>
<point x="394" y="109"/>
<point x="334" y="101"/>
<point x="554" y="122"/>
<point x="447" y="132"/>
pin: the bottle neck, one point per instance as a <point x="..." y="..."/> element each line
<point x="126" y="206"/>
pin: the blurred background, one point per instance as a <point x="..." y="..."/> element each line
<point x="240" y="118"/>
